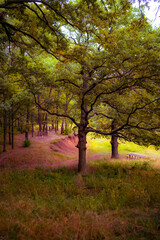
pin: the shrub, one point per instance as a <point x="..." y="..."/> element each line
<point x="67" y="131"/>
<point x="26" y="143"/>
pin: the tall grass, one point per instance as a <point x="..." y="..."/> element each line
<point x="112" y="201"/>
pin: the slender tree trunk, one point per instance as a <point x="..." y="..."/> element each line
<point x="52" y="124"/>
<point x="57" y="125"/>
<point x="57" y="106"/>
<point x="15" y="124"/>
<point x="66" y="124"/>
<point x="57" y="122"/>
<point x="32" y="124"/>
<point x="46" y="120"/>
<point x="39" y="116"/>
<point x="9" y="127"/>
<point x="4" y="126"/>
<point x="4" y="130"/>
<point x="114" y="142"/>
<point x="27" y="124"/>
<point x="18" y="124"/>
<point x="1" y="124"/>
<point x="44" y="127"/>
<point x="21" y="126"/>
<point x="62" y="126"/>
<point x="12" y="121"/>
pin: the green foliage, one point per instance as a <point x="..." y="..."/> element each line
<point x="26" y="143"/>
<point x="89" y="61"/>
<point x="67" y="131"/>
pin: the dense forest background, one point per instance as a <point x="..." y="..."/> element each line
<point x="90" y="66"/>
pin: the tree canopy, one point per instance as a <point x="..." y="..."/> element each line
<point x="102" y="55"/>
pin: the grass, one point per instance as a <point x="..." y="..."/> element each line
<point x="112" y="201"/>
<point x="115" y="200"/>
<point x="103" y="145"/>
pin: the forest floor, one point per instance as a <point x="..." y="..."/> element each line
<point x="115" y="200"/>
<point x="53" y="151"/>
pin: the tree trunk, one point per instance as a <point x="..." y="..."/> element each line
<point x="52" y="124"/>
<point x="27" y="124"/>
<point x="114" y="142"/>
<point x="21" y="126"/>
<point x="66" y="124"/>
<point x="57" y="125"/>
<point x="32" y="124"/>
<point x="9" y="128"/>
<point x="18" y="124"/>
<point x="57" y="122"/>
<point x="1" y="123"/>
<point x="4" y="126"/>
<point x="46" y="120"/>
<point x="82" y="132"/>
<point x="82" y="151"/>
<point x="4" y="130"/>
<point x="12" y="119"/>
<point x="62" y="127"/>
<point x="39" y="116"/>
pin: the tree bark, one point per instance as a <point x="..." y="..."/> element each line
<point x="18" y="123"/>
<point x="39" y="116"/>
<point x="21" y="128"/>
<point x="9" y="127"/>
<point x="4" y="130"/>
<point x="32" y="124"/>
<point x="56" y="125"/>
<point x="46" y="120"/>
<point x="62" y="126"/>
<point x="82" y="131"/>
<point x="114" y="141"/>
<point x="82" y="150"/>
<point x="27" y="124"/>
<point x="4" y="125"/>
<point x="52" y="125"/>
<point x="66" y="124"/>
<point x="57" y="110"/>
<point x="12" y="121"/>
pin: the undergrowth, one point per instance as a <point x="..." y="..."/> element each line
<point x="112" y="201"/>
<point x="26" y="143"/>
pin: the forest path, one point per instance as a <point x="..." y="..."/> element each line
<point x="52" y="151"/>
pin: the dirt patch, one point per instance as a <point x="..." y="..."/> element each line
<point x="45" y="151"/>
<point x="66" y="146"/>
<point x="38" y="153"/>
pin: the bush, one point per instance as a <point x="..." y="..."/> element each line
<point x="26" y="143"/>
<point x="67" y="131"/>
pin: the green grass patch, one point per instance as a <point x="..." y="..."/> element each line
<point x="102" y="145"/>
<point x="113" y="201"/>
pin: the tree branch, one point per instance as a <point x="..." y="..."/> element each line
<point x="68" y="81"/>
<point x="54" y="113"/>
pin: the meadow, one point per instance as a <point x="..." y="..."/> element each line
<point x="114" y="200"/>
